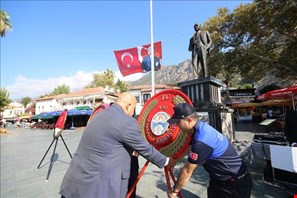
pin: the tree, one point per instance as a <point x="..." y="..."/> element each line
<point x="103" y="80"/>
<point x="4" y="99"/>
<point x="25" y="101"/>
<point x="108" y="79"/>
<point x="121" y="85"/>
<point x="253" y="39"/>
<point x="5" y="23"/>
<point x="61" y="89"/>
<point x="45" y="95"/>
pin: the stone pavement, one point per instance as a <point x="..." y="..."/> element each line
<point x="23" y="149"/>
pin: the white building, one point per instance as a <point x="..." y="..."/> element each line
<point x="88" y="98"/>
<point x="13" y="110"/>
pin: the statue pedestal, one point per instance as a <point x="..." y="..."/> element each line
<point x="205" y="94"/>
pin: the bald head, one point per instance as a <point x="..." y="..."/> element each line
<point x="128" y="102"/>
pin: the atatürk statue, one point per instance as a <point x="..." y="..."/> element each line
<point x="199" y="45"/>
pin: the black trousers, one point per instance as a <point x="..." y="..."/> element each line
<point x="237" y="188"/>
<point x="133" y="174"/>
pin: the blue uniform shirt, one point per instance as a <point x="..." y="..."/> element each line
<point x="214" y="151"/>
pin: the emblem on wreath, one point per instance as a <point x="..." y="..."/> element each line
<point x="159" y="123"/>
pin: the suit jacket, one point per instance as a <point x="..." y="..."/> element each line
<point x="101" y="165"/>
<point x="291" y="126"/>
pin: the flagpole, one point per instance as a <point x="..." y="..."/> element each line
<point x="152" y="50"/>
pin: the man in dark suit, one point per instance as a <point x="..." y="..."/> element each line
<point x="291" y="127"/>
<point x="101" y="165"/>
<point x="199" y="45"/>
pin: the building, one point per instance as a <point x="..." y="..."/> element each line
<point x="144" y="92"/>
<point x="233" y="97"/>
<point x="13" y="110"/>
<point x="88" y="98"/>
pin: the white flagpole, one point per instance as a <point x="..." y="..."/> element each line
<point x="152" y="50"/>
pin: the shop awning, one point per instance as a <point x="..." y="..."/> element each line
<point x="46" y="115"/>
<point x="36" y="117"/>
<point x="75" y="112"/>
<point x="284" y="102"/>
<point x="246" y="105"/>
<point x="70" y="112"/>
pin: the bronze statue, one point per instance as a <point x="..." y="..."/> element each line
<point x="199" y="45"/>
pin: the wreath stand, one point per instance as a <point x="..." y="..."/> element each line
<point x="168" y="172"/>
<point x="52" y="158"/>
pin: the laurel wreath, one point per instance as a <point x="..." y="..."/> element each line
<point x="145" y="115"/>
<point x="179" y="142"/>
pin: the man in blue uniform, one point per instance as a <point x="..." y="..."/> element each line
<point x="228" y="174"/>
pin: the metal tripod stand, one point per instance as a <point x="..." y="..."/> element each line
<point x="52" y="158"/>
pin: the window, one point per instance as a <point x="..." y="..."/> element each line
<point x="146" y="97"/>
<point x="137" y="98"/>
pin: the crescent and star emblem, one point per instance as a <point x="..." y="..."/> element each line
<point x="125" y="62"/>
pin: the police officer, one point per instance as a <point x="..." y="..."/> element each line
<point x="228" y="174"/>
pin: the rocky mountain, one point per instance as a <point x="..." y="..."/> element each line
<point x="169" y="75"/>
<point x="173" y="74"/>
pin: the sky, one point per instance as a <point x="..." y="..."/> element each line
<point x="56" y="42"/>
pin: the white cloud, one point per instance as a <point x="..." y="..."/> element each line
<point x="25" y="87"/>
<point x="131" y="77"/>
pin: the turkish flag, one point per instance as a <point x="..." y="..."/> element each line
<point x="130" y="60"/>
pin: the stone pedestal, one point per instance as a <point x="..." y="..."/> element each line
<point x="205" y="94"/>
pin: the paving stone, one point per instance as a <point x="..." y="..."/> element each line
<point x="23" y="149"/>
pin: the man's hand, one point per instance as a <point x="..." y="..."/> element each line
<point x="136" y="154"/>
<point x="171" y="194"/>
<point x="171" y="163"/>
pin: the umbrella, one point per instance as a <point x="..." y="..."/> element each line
<point x="44" y="115"/>
<point x="74" y="112"/>
<point x="47" y="115"/>
<point x="71" y="112"/>
<point x="283" y="93"/>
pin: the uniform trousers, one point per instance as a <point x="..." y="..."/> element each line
<point x="239" y="186"/>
